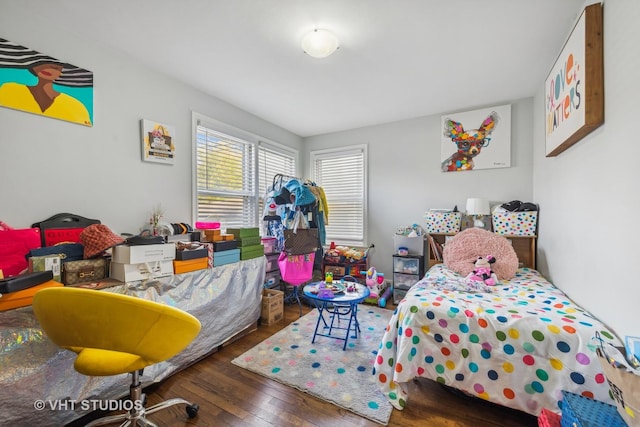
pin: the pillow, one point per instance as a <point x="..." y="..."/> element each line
<point x="461" y="252"/>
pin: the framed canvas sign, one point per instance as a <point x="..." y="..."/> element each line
<point x="479" y="139"/>
<point x="158" y="143"/>
<point x="36" y="83"/>
<point x="574" y="89"/>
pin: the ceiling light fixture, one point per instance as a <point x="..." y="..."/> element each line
<point x="320" y="43"/>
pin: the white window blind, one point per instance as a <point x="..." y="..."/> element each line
<point x="225" y="179"/>
<point x="273" y="161"/>
<point x="342" y="175"/>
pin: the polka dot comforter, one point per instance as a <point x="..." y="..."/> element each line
<point x="518" y="346"/>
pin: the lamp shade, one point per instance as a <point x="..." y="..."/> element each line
<point x="478" y="207"/>
<point x="320" y="43"/>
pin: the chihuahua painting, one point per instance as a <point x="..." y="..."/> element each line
<point x="469" y="143"/>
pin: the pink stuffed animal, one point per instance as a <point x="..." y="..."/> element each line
<point x="483" y="272"/>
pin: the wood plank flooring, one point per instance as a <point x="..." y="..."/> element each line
<point x="231" y="396"/>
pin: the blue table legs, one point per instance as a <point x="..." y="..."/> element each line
<point x="337" y="313"/>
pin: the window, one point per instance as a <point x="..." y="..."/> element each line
<point x="225" y="175"/>
<point x="273" y="160"/>
<point x="342" y="174"/>
<point x="233" y="172"/>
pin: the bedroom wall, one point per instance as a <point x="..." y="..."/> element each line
<point x="49" y="166"/>
<point x="405" y="178"/>
<point x="589" y="193"/>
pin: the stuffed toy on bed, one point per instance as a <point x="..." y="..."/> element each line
<point x="483" y="272"/>
<point x="463" y="249"/>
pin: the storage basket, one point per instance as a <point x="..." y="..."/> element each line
<point x="580" y="411"/>
<point x="443" y="222"/>
<point x="548" y="418"/>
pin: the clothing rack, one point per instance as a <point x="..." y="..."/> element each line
<point x="280" y="179"/>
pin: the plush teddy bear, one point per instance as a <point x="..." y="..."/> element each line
<point x="483" y="272"/>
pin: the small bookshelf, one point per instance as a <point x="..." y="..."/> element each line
<point x="435" y="247"/>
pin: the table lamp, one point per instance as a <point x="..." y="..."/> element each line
<point x="477" y="208"/>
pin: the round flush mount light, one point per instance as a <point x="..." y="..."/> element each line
<point x="320" y="43"/>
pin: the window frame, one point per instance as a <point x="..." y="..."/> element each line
<point x="340" y="152"/>
<point x="235" y="133"/>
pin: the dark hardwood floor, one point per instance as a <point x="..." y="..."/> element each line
<point x="231" y="396"/>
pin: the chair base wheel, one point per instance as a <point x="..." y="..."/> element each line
<point x="192" y="410"/>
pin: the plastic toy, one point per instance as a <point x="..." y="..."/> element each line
<point x="328" y="277"/>
<point x="324" y="292"/>
<point x="385" y="296"/>
<point x="375" y="283"/>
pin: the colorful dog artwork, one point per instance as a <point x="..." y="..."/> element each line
<point x="469" y="143"/>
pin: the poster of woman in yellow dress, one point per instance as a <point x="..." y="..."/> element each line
<point x="36" y="83"/>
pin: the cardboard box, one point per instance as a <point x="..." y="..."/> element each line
<point x="225" y="245"/>
<point x="515" y="223"/>
<point x="52" y="263"/>
<point x="24" y="297"/>
<point x="250" y="252"/>
<point x="124" y="254"/>
<point x="191" y="254"/>
<point x="241" y="233"/>
<point x="141" y="271"/>
<point x="442" y="222"/>
<point x="250" y="241"/>
<point x="226" y="257"/>
<point x="272" y="306"/>
<point x="186" y="266"/>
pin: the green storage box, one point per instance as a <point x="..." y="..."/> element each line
<point x="254" y="251"/>
<point x="241" y="233"/>
<point x="249" y="241"/>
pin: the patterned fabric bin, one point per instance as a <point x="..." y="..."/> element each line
<point x="443" y="222"/>
<point x="515" y="223"/>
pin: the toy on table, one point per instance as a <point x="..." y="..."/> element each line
<point x="324" y="291"/>
<point x="328" y="277"/>
<point x="483" y="272"/>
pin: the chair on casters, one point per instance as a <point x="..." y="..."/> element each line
<point x="115" y="334"/>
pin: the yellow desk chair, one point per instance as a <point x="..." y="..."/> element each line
<point x="115" y="334"/>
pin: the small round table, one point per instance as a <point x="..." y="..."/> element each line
<point x="337" y="308"/>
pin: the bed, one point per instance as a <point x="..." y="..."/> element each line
<point x="517" y="344"/>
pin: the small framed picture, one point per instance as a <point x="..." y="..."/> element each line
<point x="158" y="143"/>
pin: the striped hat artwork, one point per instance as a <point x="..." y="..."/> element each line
<point x="13" y="55"/>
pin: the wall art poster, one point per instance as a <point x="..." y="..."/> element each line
<point x="574" y="89"/>
<point x="158" y="143"/>
<point x="40" y="84"/>
<point x="479" y="139"/>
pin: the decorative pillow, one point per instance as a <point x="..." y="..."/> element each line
<point x="461" y="252"/>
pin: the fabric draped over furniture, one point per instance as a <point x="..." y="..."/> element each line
<point x="226" y="300"/>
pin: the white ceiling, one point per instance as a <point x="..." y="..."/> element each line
<point x="398" y="59"/>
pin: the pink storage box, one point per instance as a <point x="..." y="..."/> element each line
<point x="269" y="244"/>
<point x="207" y="225"/>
